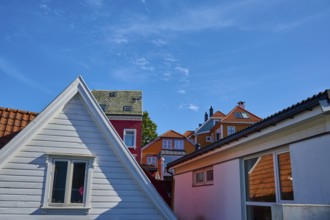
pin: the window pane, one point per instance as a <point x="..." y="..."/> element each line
<point x="60" y="172"/>
<point x="209" y="175"/>
<point x="200" y="177"/>
<point x="284" y="164"/>
<point x="129" y="138"/>
<point x="78" y="182"/>
<point x="260" y="181"/>
<point x="259" y="213"/>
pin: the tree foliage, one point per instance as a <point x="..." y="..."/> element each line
<point x="148" y="129"/>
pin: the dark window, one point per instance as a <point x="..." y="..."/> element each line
<point x="78" y="182"/>
<point x="241" y="115"/>
<point x="61" y="168"/>
<point x="103" y="107"/>
<point x="112" y="94"/>
<point x="128" y="108"/>
<point x="209" y="175"/>
<point x="259" y="212"/>
<point x="285" y="178"/>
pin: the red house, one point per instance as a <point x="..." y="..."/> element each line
<point x="124" y="110"/>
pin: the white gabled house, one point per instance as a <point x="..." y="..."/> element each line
<point x="69" y="163"/>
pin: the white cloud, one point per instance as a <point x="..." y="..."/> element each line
<point x="181" y="91"/>
<point x="159" y="42"/>
<point x="12" y="71"/>
<point x="120" y="39"/>
<point x="144" y="64"/>
<point x="167" y="76"/>
<point x="183" y="70"/>
<point x="193" y="107"/>
<point x="143" y="1"/>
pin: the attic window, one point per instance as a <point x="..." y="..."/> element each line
<point x="128" y="108"/>
<point x="241" y="115"/>
<point x="135" y="99"/>
<point x="112" y="94"/>
<point x="103" y="107"/>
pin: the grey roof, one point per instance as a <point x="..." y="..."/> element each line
<point x="115" y="102"/>
<point x="290" y="112"/>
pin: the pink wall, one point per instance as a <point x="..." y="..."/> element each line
<point x="222" y="200"/>
<point x="120" y="125"/>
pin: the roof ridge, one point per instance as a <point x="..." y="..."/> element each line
<point x="17" y="110"/>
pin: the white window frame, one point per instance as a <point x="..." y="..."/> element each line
<point x="232" y="130"/>
<point x="278" y="200"/>
<point x="70" y="158"/>
<point x="179" y="144"/>
<point x="167" y="144"/>
<point x="152" y="158"/>
<point x="205" y="181"/>
<point x="134" y="138"/>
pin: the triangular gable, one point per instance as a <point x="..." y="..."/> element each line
<point x="112" y="139"/>
<point x="231" y="116"/>
<point x="172" y="134"/>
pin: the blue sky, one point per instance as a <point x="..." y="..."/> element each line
<point x="184" y="55"/>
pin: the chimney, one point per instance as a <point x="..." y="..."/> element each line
<point x="211" y="111"/>
<point x="206" y="116"/>
<point x="241" y="104"/>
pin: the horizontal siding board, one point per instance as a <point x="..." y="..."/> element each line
<point x="74" y="123"/>
<point x="38" y="172"/>
<point x="85" y="140"/>
<point x="19" y="185"/>
<point x="22" y="198"/>
<point x="11" y="191"/>
<point x="57" y="132"/>
<point x="15" y="178"/>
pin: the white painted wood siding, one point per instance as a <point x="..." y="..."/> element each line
<point x="115" y="194"/>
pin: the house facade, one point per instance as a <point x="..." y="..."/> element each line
<point x="164" y="149"/>
<point x="218" y="125"/>
<point x="70" y="163"/>
<point x="275" y="169"/>
<point x="124" y="110"/>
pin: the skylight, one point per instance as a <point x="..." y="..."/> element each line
<point x="241" y="115"/>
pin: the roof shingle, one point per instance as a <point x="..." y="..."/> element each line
<point x="12" y="121"/>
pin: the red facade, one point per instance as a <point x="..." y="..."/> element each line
<point x="121" y="125"/>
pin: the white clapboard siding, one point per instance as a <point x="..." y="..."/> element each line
<point x="115" y="194"/>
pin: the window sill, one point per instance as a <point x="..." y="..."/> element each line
<point x="131" y="147"/>
<point x="66" y="209"/>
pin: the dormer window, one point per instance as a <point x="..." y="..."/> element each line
<point x="103" y="107"/>
<point x="128" y="108"/>
<point x="241" y="115"/>
<point x="112" y="94"/>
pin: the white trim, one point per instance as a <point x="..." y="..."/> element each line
<point x="113" y="139"/>
<point x="134" y="133"/>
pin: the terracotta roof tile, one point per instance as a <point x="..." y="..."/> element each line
<point x="13" y="121"/>
<point x="172" y="134"/>
<point x="218" y="114"/>
<point x="188" y="133"/>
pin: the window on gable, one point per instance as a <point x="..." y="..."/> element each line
<point x="208" y="139"/>
<point x="67" y="182"/>
<point x="128" y="108"/>
<point x="103" y="107"/>
<point x="178" y="144"/>
<point x="130" y="137"/>
<point x="167" y="144"/>
<point x="203" y="176"/>
<point x="230" y="130"/>
<point x="112" y="94"/>
<point x="152" y="160"/>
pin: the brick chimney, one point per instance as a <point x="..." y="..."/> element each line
<point x="206" y="116"/>
<point x="241" y="104"/>
<point x="211" y="111"/>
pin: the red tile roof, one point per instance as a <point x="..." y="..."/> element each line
<point x="12" y="121"/>
<point x="218" y="114"/>
<point x="172" y="134"/>
<point x="188" y="133"/>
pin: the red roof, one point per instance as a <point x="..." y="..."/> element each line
<point x="188" y="133"/>
<point x="218" y="114"/>
<point x="172" y="134"/>
<point x="12" y="121"/>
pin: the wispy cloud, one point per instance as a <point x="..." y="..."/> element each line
<point x="144" y="64"/>
<point x="190" y="106"/>
<point x="193" y="107"/>
<point x="159" y="42"/>
<point x="181" y="91"/>
<point x="130" y="75"/>
<point x="11" y="71"/>
<point x="95" y="3"/>
<point x="183" y="70"/>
